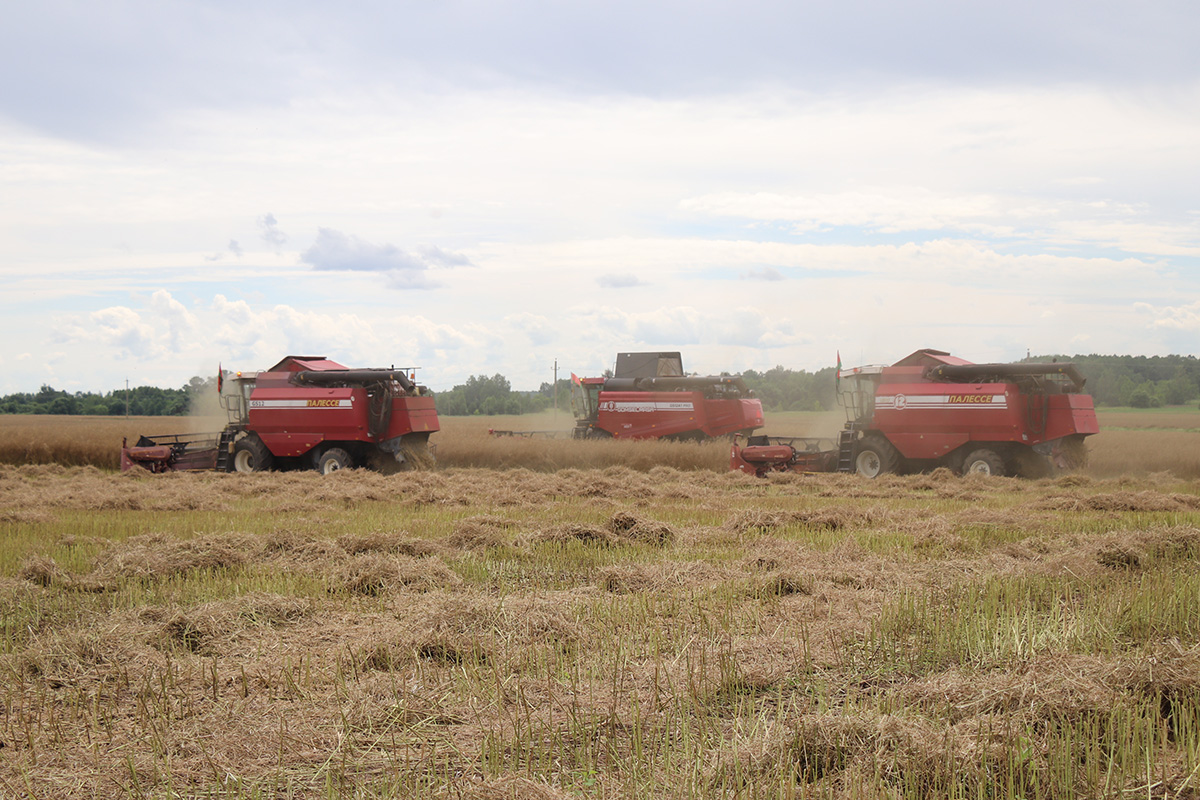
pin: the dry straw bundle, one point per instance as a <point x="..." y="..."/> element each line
<point x="596" y="631"/>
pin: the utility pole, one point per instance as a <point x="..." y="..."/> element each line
<point x="556" y="391"/>
<point x="127" y="398"/>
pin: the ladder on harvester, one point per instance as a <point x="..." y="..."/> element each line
<point x="224" y="445"/>
<point x="846" y="439"/>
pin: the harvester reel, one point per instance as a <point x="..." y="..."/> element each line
<point x="984" y="462"/>
<point x="875" y="457"/>
<point x="251" y="455"/>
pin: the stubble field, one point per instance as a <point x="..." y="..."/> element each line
<point x="637" y="622"/>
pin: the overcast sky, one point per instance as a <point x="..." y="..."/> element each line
<point x="483" y="187"/>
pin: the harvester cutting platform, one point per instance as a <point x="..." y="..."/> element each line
<point x="932" y="409"/>
<point x="305" y="412"/>
<point x="649" y="397"/>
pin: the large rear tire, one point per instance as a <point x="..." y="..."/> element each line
<point x="984" y="462"/>
<point x="876" y="456"/>
<point x="333" y="459"/>
<point x="251" y="455"/>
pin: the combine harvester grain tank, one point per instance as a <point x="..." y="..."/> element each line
<point x="932" y="409"/>
<point x="306" y="412"/>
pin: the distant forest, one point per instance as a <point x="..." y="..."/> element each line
<point x="1135" y="381"/>
<point x="140" y="401"/>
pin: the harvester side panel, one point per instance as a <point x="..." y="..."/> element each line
<point x="724" y="417"/>
<point x="927" y="445"/>
<point x="648" y="415"/>
<point x="292" y="420"/>
<point x="1071" y="413"/>
<point x="929" y="420"/>
<point x="412" y="415"/>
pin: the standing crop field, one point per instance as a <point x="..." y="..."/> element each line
<point x="1130" y="443"/>
<point x="597" y="632"/>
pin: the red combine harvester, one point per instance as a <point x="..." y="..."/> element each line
<point x="649" y="397"/>
<point x="932" y="409"/>
<point x="305" y="412"/>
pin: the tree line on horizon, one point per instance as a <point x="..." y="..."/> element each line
<point x="1121" y="381"/>
<point x="137" y="401"/>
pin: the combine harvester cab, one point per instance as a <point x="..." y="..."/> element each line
<point x="649" y="397"/>
<point x="306" y="412"/>
<point x="932" y="409"/>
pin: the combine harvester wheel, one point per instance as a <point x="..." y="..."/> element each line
<point x="251" y="455"/>
<point x="984" y="462"/>
<point x="875" y="457"/>
<point x="333" y="459"/>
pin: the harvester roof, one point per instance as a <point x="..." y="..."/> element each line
<point x="928" y="357"/>
<point x="303" y="363"/>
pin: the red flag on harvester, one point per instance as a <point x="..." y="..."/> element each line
<point x="575" y="379"/>
<point x="220" y="377"/>
<point x="837" y="375"/>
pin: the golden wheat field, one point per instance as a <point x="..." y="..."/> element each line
<point x="515" y="624"/>
<point x="1130" y="443"/>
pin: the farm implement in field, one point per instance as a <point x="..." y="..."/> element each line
<point x="304" y="412"/>
<point x="932" y="409"/>
<point x="504" y="434"/>
<point x="649" y="397"/>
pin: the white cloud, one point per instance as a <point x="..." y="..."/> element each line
<point x="120" y="327"/>
<point x="334" y="251"/>
<point x="881" y="210"/>
<point x="1176" y="318"/>
<point x="619" y="281"/>
<point x="270" y="232"/>
<point x="538" y="328"/>
<point x="764" y="274"/>
<point x="752" y="200"/>
<point x="164" y="327"/>
<point x="907" y="210"/>
<point x="180" y="323"/>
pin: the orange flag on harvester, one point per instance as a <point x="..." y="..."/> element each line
<point x="220" y="377"/>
